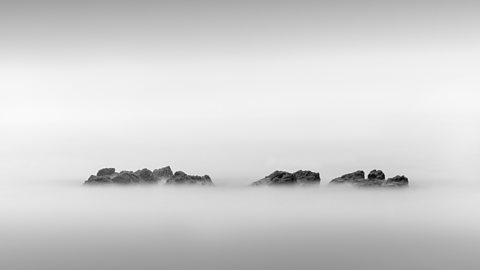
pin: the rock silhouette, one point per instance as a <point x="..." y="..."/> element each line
<point x="183" y="178"/>
<point x="146" y="175"/>
<point x="376" y="174"/>
<point x="376" y="178"/>
<point x="286" y="178"/>
<point x="106" y="171"/>
<point x="351" y="178"/>
<point x="110" y="176"/>
<point x="163" y="173"/>
<point x="396" y="181"/>
<point x="126" y="177"/>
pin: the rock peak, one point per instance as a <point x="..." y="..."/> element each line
<point x="285" y="178"/>
<point x="376" y="178"/>
<point x="109" y="175"/>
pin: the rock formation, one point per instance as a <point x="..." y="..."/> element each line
<point x="286" y="178"/>
<point x="376" y="175"/>
<point x="396" y="181"/>
<point x="376" y="178"/>
<point x="163" y="173"/>
<point x="106" y="171"/>
<point x="109" y="175"/>
<point x="183" y="178"/>
<point x="350" y="178"/>
<point x="126" y="177"/>
<point x="146" y="175"/>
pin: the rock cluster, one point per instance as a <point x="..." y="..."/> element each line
<point x="285" y="178"/>
<point x="109" y="175"/>
<point x="183" y="178"/>
<point x="375" y="178"/>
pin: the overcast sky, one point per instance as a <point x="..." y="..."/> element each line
<point x="237" y="89"/>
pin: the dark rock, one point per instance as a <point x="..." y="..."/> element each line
<point x="146" y="175"/>
<point x="286" y="178"/>
<point x="98" y="180"/>
<point x="276" y="178"/>
<point x="370" y="183"/>
<point x="162" y="173"/>
<point x="183" y="178"/>
<point x="397" y="181"/>
<point x="108" y="175"/>
<point x="350" y="178"/>
<point x="307" y="177"/>
<point x="126" y="177"/>
<point x="106" y="171"/>
<point x="376" y="178"/>
<point x="376" y="175"/>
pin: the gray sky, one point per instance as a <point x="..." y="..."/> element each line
<point x="237" y="89"/>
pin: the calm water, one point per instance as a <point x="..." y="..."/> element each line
<point x="69" y="226"/>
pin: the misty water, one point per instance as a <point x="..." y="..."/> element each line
<point x="64" y="225"/>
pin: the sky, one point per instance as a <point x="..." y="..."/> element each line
<point x="238" y="89"/>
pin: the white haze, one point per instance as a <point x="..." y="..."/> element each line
<point x="67" y="226"/>
<point x="239" y="117"/>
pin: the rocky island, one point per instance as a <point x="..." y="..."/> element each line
<point x="278" y="178"/>
<point x="146" y="176"/>
<point x="375" y="178"/>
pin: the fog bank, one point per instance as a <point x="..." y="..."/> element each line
<point x="55" y="225"/>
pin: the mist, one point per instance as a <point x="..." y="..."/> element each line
<point x="53" y="226"/>
<point x="238" y="119"/>
<point x="238" y="89"/>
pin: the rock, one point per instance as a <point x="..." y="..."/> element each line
<point x="104" y="176"/>
<point x="162" y="173"/>
<point x="397" y="181"/>
<point x="183" y="178"/>
<point x="376" y="178"/>
<point x="276" y="178"/>
<point x="126" y="177"/>
<point x="376" y="175"/>
<point x="307" y="177"/>
<point x="108" y="175"/>
<point x="286" y="178"/>
<point x="146" y="175"/>
<point x="98" y="180"/>
<point x="106" y="171"/>
<point x="350" y="178"/>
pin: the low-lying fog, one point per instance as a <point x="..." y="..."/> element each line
<point x="62" y="225"/>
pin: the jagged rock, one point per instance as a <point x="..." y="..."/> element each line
<point x="350" y="178"/>
<point x="106" y="171"/>
<point x="126" y="177"/>
<point x="162" y="173"/>
<point x="93" y="179"/>
<point x="146" y="175"/>
<point x="307" y="177"/>
<point x="286" y="178"/>
<point x="108" y="175"/>
<point x="376" y="175"/>
<point x="276" y="178"/>
<point x="183" y="178"/>
<point x="104" y="176"/>
<point x="376" y="178"/>
<point x="397" y="181"/>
